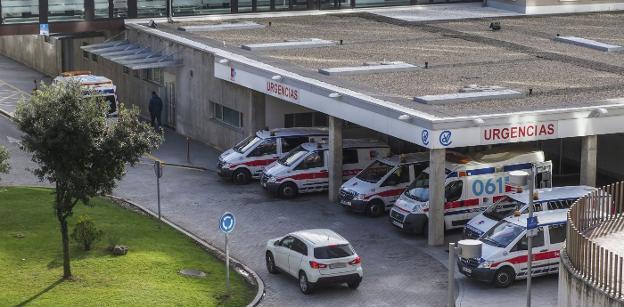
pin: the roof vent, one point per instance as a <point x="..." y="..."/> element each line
<point x="369" y="68"/>
<point x="589" y="43"/>
<point x="221" y="27"/>
<point x="290" y="44"/>
<point x="470" y="93"/>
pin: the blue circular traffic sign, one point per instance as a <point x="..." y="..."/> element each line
<point x="227" y="222"/>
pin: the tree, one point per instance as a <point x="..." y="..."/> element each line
<point x="4" y="160"/>
<point x="77" y="149"/>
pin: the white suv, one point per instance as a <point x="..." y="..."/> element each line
<point x="315" y="257"/>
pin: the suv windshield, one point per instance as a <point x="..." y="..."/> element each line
<point x="247" y="143"/>
<point x="293" y="156"/>
<point x="502" y="234"/>
<point x="333" y="251"/>
<point x="503" y="208"/>
<point x="419" y="189"/>
<point x="374" y="172"/>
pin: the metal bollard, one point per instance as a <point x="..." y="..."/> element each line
<point x="188" y="149"/>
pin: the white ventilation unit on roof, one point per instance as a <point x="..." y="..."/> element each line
<point x="369" y="68"/>
<point x="589" y="43"/>
<point x="221" y="27"/>
<point x="471" y="93"/>
<point x="291" y="44"/>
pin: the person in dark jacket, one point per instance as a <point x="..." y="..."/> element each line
<point x="155" y="109"/>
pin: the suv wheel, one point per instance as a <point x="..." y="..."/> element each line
<point x="376" y="208"/>
<point x="288" y="190"/>
<point x="270" y="263"/>
<point x="354" y="284"/>
<point x="504" y="277"/>
<point x="241" y="176"/>
<point x="304" y="285"/>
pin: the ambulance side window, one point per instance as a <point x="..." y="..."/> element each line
<point x="453" y="190"/>
<point x="289" y="143"/>
<point x="557" y="233"/>
<point x="268" y="147"/>
<point x="315" y="159"/>
<point x="523" y="244"/>
<point x="400" y="175"/>
<point x="349" y="156"/>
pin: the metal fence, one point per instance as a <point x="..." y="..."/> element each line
<point x="597" y="215"/>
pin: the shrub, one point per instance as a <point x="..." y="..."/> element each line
<point x="113" y="239"/>
<point x="85" y="233"/>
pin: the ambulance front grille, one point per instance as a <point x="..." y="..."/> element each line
<point x="470" y="262"/>
<point x="346" y="195"/>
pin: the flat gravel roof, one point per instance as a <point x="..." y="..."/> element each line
<point x="523" y="55"/>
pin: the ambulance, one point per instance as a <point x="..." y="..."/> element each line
<point x="558" y="198"/>
<point x="305" y="169"/>
<point x="93" y="85"/>
<point x="504" y="252"/>
<point x="248" y="158"/>
<point x="375" y="189"/>
<point x="471" y="185"/>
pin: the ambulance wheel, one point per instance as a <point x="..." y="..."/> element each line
<point x="241" y="176"/>
<point x="288" y="190"/>
<point x="504" y="277"/>
<point x="376" y="208"/>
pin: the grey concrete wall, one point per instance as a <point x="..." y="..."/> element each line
<point x="33" y="51"/>
<point x="574" y="292"/>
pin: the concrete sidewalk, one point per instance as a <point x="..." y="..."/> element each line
<point x="175" y="149"/>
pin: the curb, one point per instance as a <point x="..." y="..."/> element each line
<point x="250" y="275"/>
<point x="7" y="114"/>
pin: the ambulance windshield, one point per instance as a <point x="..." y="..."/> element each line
<point x="293" y="156"/>
<point x="501" y="209"/>
<point x="247" y="144"/>
<point x="419" y="189"/>
<point x="502" y="234"/>
<point x="374" y="172"/>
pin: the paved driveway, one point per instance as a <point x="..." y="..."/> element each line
<point x="397" y="271"/>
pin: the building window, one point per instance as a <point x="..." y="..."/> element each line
<point x="84" y="53"/>
<point x="200" y="7"/>
<point x="151" y="8"/>
<point x="154" y="75"/>
<point x="126" y="70"/>
<point x="94" y="57"/>
<point x="308" y="119"/>
<point x="64" y="10"/>
<point x="226" y="115"/>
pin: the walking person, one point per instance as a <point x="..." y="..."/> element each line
<point x="155" y="109"/>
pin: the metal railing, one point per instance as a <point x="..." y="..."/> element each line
<point x="596" y="215"/>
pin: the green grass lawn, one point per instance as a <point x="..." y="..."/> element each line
<point x="31" y="266"/>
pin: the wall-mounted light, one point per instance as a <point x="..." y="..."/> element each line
<point x="277" y="78"/>
<point x="598" y="112"/>
<point x="334" y="95"/>
<point x="478" y="121"/>
<point x="224" y="61"/>
<point x="404" y="117"/>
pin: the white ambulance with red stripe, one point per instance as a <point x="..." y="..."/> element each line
<point x="249" y="157"/>
<point x="471" y="185"/>
<point x="504" y="252"/>
<point x="305" y="169"/>
<point x="375" y="189"/>
<point x="556" y="198"/>
<point x="92" y="85"/>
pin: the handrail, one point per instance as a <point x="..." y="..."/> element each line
<point x="596" y="215"/>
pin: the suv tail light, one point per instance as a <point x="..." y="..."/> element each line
<point x="355" y="261"/>
<point x="316" y="265"/>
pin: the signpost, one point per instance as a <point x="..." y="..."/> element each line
<point x="158" y="171"/>
<point x="226" y="225"/>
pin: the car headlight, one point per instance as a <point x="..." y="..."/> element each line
<point x="485" y="264"/>
<point x="359" y="196"/>
<point x="417" y="208"/>
<point x="271" y="179"/>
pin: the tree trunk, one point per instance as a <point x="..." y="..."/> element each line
<point x="66" y="268"/>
